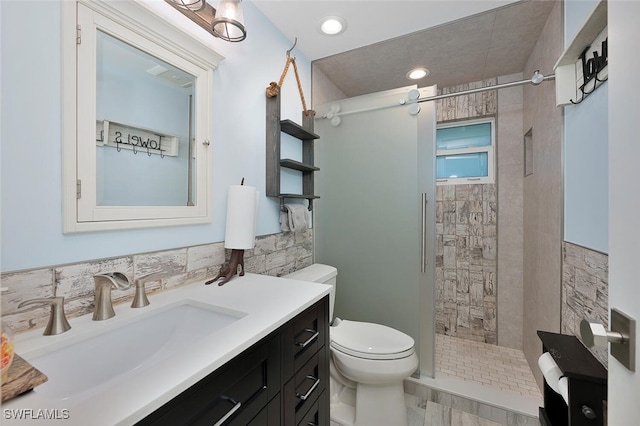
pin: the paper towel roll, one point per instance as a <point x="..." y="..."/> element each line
<point x="242" y="204"/>
<point x="550" y="371"/>
<point x="563" y="387"/>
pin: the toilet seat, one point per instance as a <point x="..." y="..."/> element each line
<point x="370" y="341"/>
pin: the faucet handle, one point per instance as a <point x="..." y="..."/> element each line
<point x="57" y="320"/>
<point x="140" y="299"/>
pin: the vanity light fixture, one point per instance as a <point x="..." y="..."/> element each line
<point x="192" y="5"/>
<point x="417" y="73"/>
<point x="228" y="22"/>
<point x="332" y="25"/>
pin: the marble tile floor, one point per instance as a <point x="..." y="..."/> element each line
<point x="435" y="414"/>
<point x="440" y="415"/>
<point x="475" y="405"/>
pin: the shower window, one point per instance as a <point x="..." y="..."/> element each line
<point x="464" y="152"/>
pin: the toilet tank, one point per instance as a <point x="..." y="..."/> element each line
<point x="318" y="273"/>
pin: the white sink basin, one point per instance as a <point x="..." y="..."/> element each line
<point x="79" y="370"/>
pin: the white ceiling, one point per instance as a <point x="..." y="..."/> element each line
<point x="368" y="21"/>
<point x="459" y="41"/>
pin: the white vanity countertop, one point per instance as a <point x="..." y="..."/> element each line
<point x="269" y="303"/>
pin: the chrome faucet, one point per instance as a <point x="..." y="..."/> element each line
<point x="103" y="306"/>
<point x="57" y="320"/>
<point x="140" y="299"/>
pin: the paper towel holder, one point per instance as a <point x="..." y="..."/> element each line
<point x="238" y="246"/>
<point x="230" y="268"/>
<point x="621" y="337"/>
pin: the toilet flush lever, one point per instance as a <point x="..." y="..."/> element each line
<point x="621" y="337"/>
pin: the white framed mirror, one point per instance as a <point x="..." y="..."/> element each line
<point x="137" y="119"/>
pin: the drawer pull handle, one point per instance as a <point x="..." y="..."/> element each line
<point x="235" y="408"/>
<point x="313" y="387"/>
<point x="310" y="339"/>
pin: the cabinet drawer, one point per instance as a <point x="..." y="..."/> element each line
<point x="316" y="416"/>
<point x="304" y="336"/>
<point x="233" y="394"/>
<point x="302" y="391"/>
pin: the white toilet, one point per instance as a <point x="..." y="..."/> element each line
<point x="369" y="363"/>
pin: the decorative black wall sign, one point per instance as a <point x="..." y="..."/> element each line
<point x="591" y="67"/>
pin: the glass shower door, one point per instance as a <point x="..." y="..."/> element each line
<point x="374" y="210"/>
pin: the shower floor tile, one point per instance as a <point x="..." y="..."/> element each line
<point x="489" y="365"/>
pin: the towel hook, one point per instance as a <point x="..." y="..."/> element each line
<point x="294" y="45"/>
<point x="584" y="93"/>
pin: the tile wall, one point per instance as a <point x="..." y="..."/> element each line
<point x="475" y="105"/>
<point x="466" y="261"/>
<point x="510" y="175"/>
<point x="470" y="277"/>
<point x="542" y="192"/>
<point x="585" y="290"/>
<point x="276" y="255"/>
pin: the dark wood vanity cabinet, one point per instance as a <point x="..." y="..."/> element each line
<point x="281" y="380"/>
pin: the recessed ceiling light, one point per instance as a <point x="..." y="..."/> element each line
<point x="332" y="25"/>
<point x="417" y="73"/>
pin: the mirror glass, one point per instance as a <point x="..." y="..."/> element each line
<point x="137" y="119"/>
<point x="144" y="128"/>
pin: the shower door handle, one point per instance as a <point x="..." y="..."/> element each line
<point x="423" y="226"/>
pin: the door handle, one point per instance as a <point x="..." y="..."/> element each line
<point x="622" y="337"/>
<point x="423" y="226"/>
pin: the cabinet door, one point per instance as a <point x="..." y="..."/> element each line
<point x="233" y="394"/>
<point x="268" y="416"/>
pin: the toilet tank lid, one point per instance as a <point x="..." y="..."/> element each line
<point x="317" y="272"/>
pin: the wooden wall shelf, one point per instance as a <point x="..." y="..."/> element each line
<point x="275" y="126"/>
<point x="296" y="165"/>
<point x="297" y="131"/>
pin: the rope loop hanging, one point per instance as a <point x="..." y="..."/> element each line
<point x="274" y="88"/>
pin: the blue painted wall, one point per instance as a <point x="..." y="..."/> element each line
<point x="586" y="169"/>
<point x="31" y="145"/>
